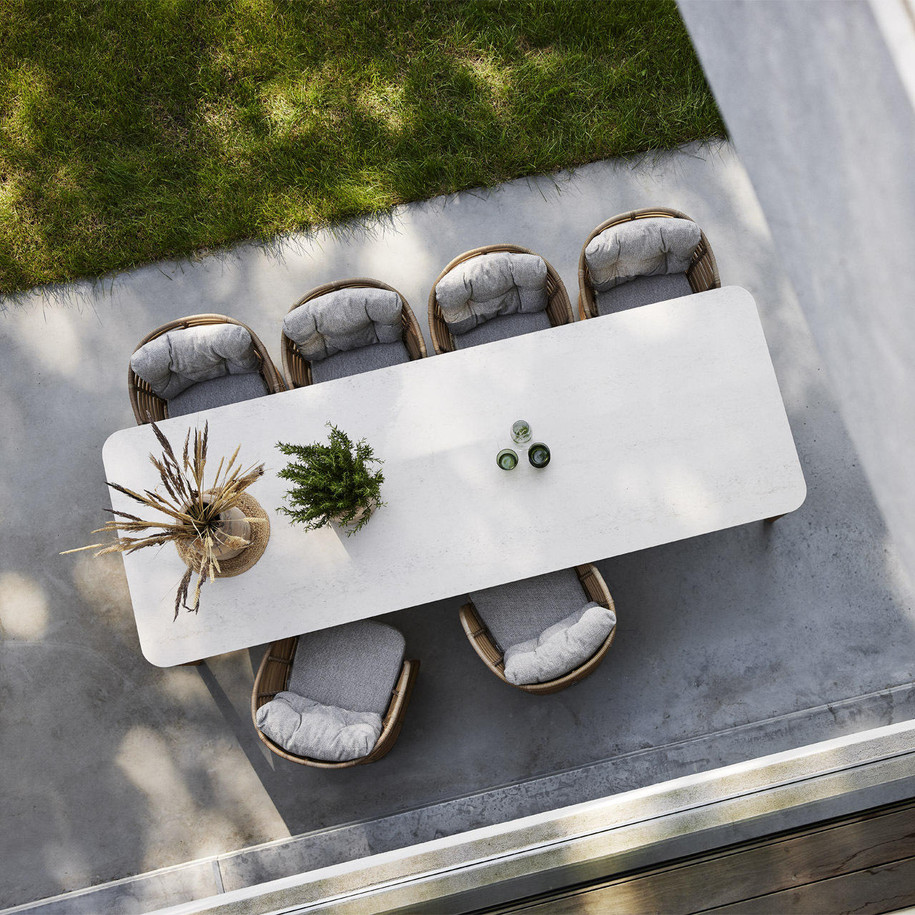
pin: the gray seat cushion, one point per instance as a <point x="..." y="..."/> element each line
<point x="489" y="285"/>
<point x="641" y="247"/>
<point x="520" y="611"/>
<point x="344" y="319"/>
<point x="174" y="361"/>
<point x="643" y="290"/>
<point x="354" y="666"/>
<point x="356" y="361"/>
<point x="217" y="393"/>
<point x="317" y="731"/>
<point x="502" y="327"/>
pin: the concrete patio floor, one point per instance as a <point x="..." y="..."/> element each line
<point x="730" y="646"/>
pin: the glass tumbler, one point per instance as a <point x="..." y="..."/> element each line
<point x="538" y="455"/>
<point x="507" y="459"/>
<point x="521" y="432"/>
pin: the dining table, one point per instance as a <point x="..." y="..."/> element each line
<point x="664" y="422"/>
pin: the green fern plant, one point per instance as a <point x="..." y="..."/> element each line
<point x="332" y="482"/>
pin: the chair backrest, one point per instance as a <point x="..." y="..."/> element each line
<point x="174" y="361"/>
<point x="343" y="315"/>
<point x="491" y="281"/>
<point x="344" y="319"/>
<point x="642" y="243"/>
<point x="216" y="345"/>
<point x="490" y="285"/>
<point x="640" y="247"/>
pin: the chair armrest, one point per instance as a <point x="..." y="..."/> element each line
<point x="482" y="641"/>
<point x="394" y="717"/>
<point x="594" y="585"/>
<point x="273" y="673"/>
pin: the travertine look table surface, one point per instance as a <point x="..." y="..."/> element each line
<point x="664" y="422"/>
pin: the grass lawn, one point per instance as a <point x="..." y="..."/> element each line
<point x="132" y="130"/>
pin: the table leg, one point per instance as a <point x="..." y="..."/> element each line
<point x="775" y="518"/>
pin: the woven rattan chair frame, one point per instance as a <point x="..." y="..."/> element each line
<point x="559" y="307"/>
<point x="147" y="405"/>
<point x="702" y="272"/>
<point x="272" y="677"/>
<point x="298" y="369"/>
<point x="492" y="656"/>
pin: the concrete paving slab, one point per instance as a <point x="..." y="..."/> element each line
<point x="134" y="895"/>
<point x="112" y="767"/>
<point x="636" y="769"/>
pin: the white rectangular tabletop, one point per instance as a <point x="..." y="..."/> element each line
<point x="664" y="422"/>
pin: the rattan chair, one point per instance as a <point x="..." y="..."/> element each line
<point x="491" y="654"/>
<point x="559" y="307"/>
<point x="298" y="369"/>
<point x="273" y="676"/>
<point x="146" y="405"/>
<point x="702" y="272"/>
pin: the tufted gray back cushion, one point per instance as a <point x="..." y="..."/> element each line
<point x="343" y="320"/>
<point x="560" y="648"/>
<point x="174" y="361"/>
<point x="483" y="287"/>
<point x="641" y="247"/>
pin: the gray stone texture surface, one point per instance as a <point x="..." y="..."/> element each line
<point x="819" y="100"/>
<point x="730" y="646"/>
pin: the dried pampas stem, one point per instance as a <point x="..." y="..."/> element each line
<point x="192" y="509"/>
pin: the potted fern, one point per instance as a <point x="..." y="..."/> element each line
<point x="332" y="482"/>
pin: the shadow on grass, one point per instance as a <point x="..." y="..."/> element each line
<point x="135" y="132"/>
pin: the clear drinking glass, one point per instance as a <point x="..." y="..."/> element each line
<point x="521" y="432"/>
<point x="507" y="459"/>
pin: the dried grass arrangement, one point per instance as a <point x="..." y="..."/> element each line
<point x="193" y="511"/>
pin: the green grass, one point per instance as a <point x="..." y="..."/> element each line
<point x="132" y="130"/>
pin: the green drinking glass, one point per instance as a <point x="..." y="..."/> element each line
<point x="507" y="459"/>
<point x="538" y="455"/>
